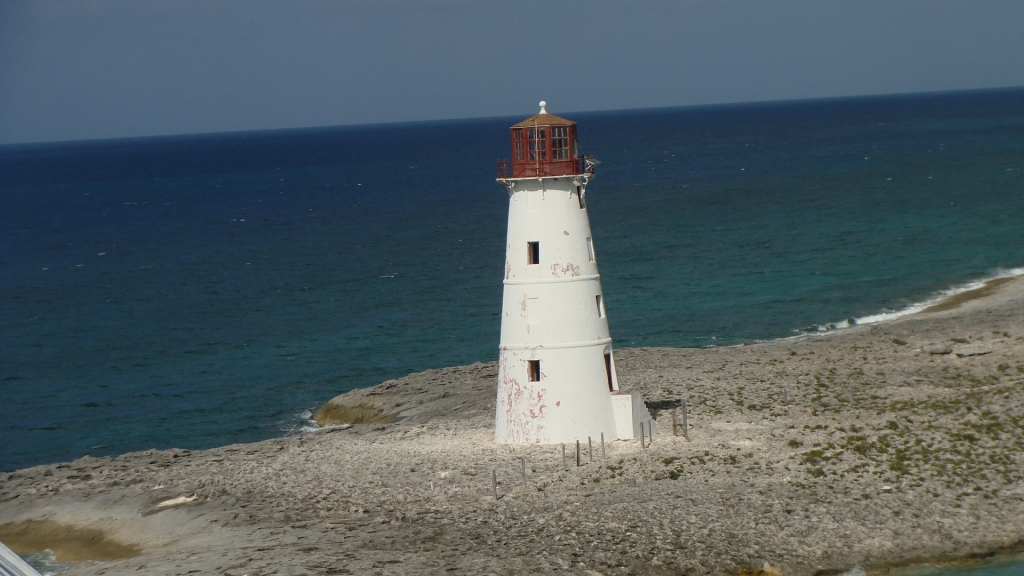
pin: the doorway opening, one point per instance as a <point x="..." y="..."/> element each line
<point x="608" y="370"/>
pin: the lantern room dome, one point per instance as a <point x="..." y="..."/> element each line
<point x="544" y="119"/>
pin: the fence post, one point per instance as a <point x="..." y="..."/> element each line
<point x="603" y="456"/>
<point x="642" y="435"/>
<point x="686" y="423"/>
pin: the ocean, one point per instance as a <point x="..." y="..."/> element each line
<point x="202" y="290"/>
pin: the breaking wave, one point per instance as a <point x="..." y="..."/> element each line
<point x="890" y="315"/>
<point x="46" y="563"/>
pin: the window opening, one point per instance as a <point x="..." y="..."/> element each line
<point x="600" y="306"/>
<point x="535" y="370"/>
<point x="590" y="249"/>
<point x="538" y="143"/>
<point x="533" y="253"/>
<point x="608" y="370"/>
<point x="579" y="196"/>
<point x="517" y="143"/>
<point x="559" y="142"/>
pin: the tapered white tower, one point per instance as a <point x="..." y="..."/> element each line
<point x="556" y="371"/>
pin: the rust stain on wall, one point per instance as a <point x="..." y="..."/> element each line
<point x="521" y="403"/>
<point x="567" y="270"/>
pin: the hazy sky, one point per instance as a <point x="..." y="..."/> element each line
<point x="81" y="69"/>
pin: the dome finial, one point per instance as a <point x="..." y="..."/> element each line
<point x="543" y="107"/>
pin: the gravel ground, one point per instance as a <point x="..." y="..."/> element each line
<point x="879" y="446"/>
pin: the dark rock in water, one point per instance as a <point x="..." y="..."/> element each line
<point x="934" y="348"/>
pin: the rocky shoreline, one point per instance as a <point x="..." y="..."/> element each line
<point x="879" y="446"/>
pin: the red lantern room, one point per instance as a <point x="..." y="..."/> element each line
<point x="544" y="145"/>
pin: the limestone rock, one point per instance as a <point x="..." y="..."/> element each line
<point x="934" y="348"/>
<point x="972" y="350"/>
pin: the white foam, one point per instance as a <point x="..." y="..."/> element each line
<point x="300" y="422"/>
<point x="46" y="563"/>
<point x="890" y="315"/>
<point x="306" y="424"/>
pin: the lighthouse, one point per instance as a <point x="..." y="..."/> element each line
<point x="556" y="368"/>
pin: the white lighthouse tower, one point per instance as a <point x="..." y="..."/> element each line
<point x="556" y="371"/>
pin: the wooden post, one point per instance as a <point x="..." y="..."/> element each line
<point x="785" y="397"/>
<point x="686" y="423"/>
<point x="590" y="449"/>
<point x="675" y="423"/>
<point x="642" y="434"/>
<point x="494" y="483"/>
<point x="650" y="433"/>
<point x="603" y="456"/>
<point x="577" y="453"/>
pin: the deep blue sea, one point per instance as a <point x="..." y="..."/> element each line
<point x="202" y="290"/>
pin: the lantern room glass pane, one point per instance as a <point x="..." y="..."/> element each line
<point x="538" y="143"/>
<point x="559" y="142"/>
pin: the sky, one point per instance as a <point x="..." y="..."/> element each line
<point x="86" y="69"/>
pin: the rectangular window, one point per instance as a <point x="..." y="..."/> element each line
<point x="538" y="143"/>
<point x="532" y="310"/>
<point x="608" y="370"/>
<point x="590" y="249"/>
<point x="533" y="252"/>
<point x="534" y="370"/>
<point x="600" y="306"/>
<point x="579" y="196"/>
<point x="559" y="142"/>
<point x="517" y="144"/>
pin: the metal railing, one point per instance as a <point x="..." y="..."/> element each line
<point x="507" y="169"/>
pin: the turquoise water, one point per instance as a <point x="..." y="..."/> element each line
<point x="46" y="563"/>
<point x="204" y="290"/>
